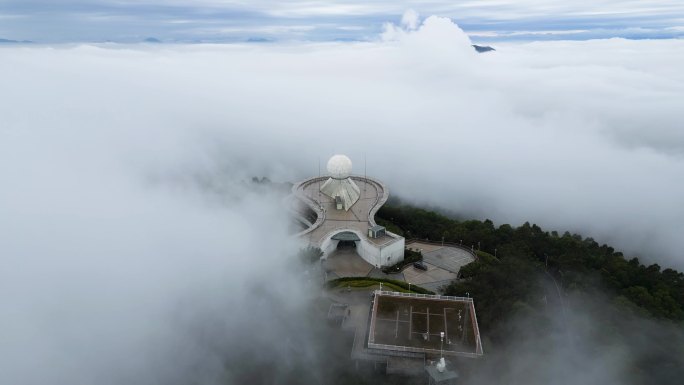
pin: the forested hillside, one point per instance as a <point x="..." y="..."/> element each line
<point x="525" y="252"/>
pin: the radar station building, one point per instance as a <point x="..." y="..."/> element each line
<point x="341" y="207"/>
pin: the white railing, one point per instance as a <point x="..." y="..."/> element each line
<point x="372" y="345"/>
<point x="478" y="341"/>
<point x="427" y="296"/>
<point x="380" y="199"/>
<point x="297" y="191"/>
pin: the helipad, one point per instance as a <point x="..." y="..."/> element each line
<point x="415" y="323"/>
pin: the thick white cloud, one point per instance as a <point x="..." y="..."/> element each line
<point x="410" y="19"/>
<point x="128" y="255"/>
<point x="121" y="202"/>
<point x="572" y="135"/>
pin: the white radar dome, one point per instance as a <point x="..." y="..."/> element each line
<point x="340" y="167"/>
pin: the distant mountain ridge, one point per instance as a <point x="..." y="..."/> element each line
<point x="483" y="48"/>
<point x="8" y="41"/>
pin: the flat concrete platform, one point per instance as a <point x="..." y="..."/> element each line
<point x="433" y="274"/>
<point x="449" y="258"/>
<point x="425" y="247"/>
<point x="378" y="273"/>
<point x="346" y="263"/>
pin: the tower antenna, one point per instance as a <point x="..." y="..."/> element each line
<point x="365" y="175"/>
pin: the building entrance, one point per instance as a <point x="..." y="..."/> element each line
<point x="346" y="245"/>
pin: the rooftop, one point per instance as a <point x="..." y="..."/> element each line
<point x="359" y="217"/>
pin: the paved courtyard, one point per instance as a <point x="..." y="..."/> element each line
<point x="443" y="264"/>
<point x="346" y="263"/>
<point x="449" y="258"/>
<point x="433" y="274"/>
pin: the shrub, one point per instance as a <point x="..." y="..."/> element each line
<point x="369" y="281"/>
<point x="410" y="256"/>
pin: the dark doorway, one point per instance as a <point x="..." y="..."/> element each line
<point x="346" y="245"/>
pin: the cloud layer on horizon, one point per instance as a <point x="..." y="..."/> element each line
<point x="267" y="20"/>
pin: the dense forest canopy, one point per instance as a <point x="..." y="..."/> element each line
<point x="577" y="263"/>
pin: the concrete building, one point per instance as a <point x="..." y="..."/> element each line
<point x="339" y="209"/>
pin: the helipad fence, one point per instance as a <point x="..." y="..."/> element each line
<point x="371" y="338"/>
<point x="421" y="350"/>
<point x="428" y="296"/>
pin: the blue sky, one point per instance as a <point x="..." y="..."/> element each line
<point x="234" y="21"/>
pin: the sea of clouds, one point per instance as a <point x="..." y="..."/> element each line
<point x="116" y="253"/>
